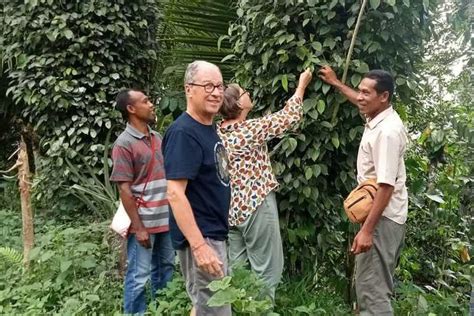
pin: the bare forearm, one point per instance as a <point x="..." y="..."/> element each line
<point x="184" y="217"/>
<point x="381" y="199"/>
<point x="300" y="92"/>
<point x="347" y="91"/>
<point x="130" y="206"/>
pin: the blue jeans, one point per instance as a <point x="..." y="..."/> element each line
<point x="156" y="264"/>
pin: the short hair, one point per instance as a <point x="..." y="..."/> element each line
<point x="230" y="108"/>
<point x="384" y="81"/>
<point x="122" y="100"/>
<point x="193" y="69"/>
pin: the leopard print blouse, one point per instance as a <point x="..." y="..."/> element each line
<point x="250" y="168"/>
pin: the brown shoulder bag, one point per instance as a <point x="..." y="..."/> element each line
<point x="359" y="202"/>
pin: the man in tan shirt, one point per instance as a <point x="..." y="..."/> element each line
<point x="378" y="243"/>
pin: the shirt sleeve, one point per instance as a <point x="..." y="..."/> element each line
<point x="122" y="159"/>
<point x="387" y="152"/>
<point x="277" y="123"/>
<point x="182" y="154"/>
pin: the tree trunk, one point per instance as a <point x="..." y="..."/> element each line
<point x="26" y="209"/>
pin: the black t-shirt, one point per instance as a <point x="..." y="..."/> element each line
<point x="194" y="151"/>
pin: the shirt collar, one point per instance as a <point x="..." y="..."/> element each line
<point x="136" y="133"/>
<point x="379" y="118"/>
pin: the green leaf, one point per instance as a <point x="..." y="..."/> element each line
<point x="350" y="21"/>
<point x="93" y="298"/>
<point x="45" y="256"/>
<point x="321" y="106"/>
<point x="95" y="69"/>
<point x="88" y="263"/>
<point x="292" y="143"/>
<point x="224" y="297"/>
<point x="314" y="154"/>
<point x="392" y="2"/>
<point x="313" y="114"/>
<point x="422" y="303"/>
<point x="400" y="81"/>
<point x="68" y="34"/>
<point x="327" y="124"/>
<point x="307" y="192"/>
<point x="221" y="284"/>
<point x="335" y="141"/>
<point x="317" y="46"/>
<point x="284" y="82"/>
<point x="426" y="5"/>
<point x="436" y="198"/>
<point x="308" y="173"/>
<point x="374" y="4"/>
<point x="301" y="52"/>
<point x="228" y="57"/>
<point x="309" y="104"/>
<point x="355" y="80"/>
<point x="363" y="68"/>
<point x="324" y="30"/>
<point x="329" y="42"/>
<point x="352" y="133"/>
<point x="316" y="170"/>
<point x="326" y="88"/>
<point x="268" y="19"/>
<point x="65" y="265"/>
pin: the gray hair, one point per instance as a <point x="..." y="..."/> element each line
<point x="193" y="68"/>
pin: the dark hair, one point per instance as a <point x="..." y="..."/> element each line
<point x="122" y="100"/>
<point x="384" y="81"/>
<point x="230" y="108"/>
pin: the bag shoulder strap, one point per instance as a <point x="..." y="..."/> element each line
<point x="150" y="165"/>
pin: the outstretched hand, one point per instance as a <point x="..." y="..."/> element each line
<point x="328" y="75"/>
<point x="305" y="79"/>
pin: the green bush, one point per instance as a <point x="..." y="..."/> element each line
<point x="413" y="300"/>
<point x="172" y="300"/>
<point x="72" y="271"/>
<point x="67" y="62"/>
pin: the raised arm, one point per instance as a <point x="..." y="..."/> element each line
<point x="329" y="76"/>
<point x="279" y="122"/>
<point x="303" y="82"/>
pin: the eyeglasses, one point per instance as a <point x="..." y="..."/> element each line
<point x="209" y="87"/>
<point x="243" y="93"/>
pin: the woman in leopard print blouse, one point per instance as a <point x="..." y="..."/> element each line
<point x="254" y="234"/>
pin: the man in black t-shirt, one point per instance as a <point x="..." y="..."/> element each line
<point x="199" y="186"/>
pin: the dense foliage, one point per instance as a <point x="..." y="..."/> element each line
<point x="73" y="270"/>
<point x="190" y="31"/>
<point x="63" y="62"/>
<point x="273" y="42"/>
<point x="67" y="61"/>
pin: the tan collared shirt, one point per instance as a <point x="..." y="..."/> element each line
<point x="380" y="156"/>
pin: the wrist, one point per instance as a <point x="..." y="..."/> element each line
<point x="337" y="84"/>
<point x="300" y="90"/>
<point x="196" y="246"/>
<point x="366" y="230"/>
<point x="137" y="226"/>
